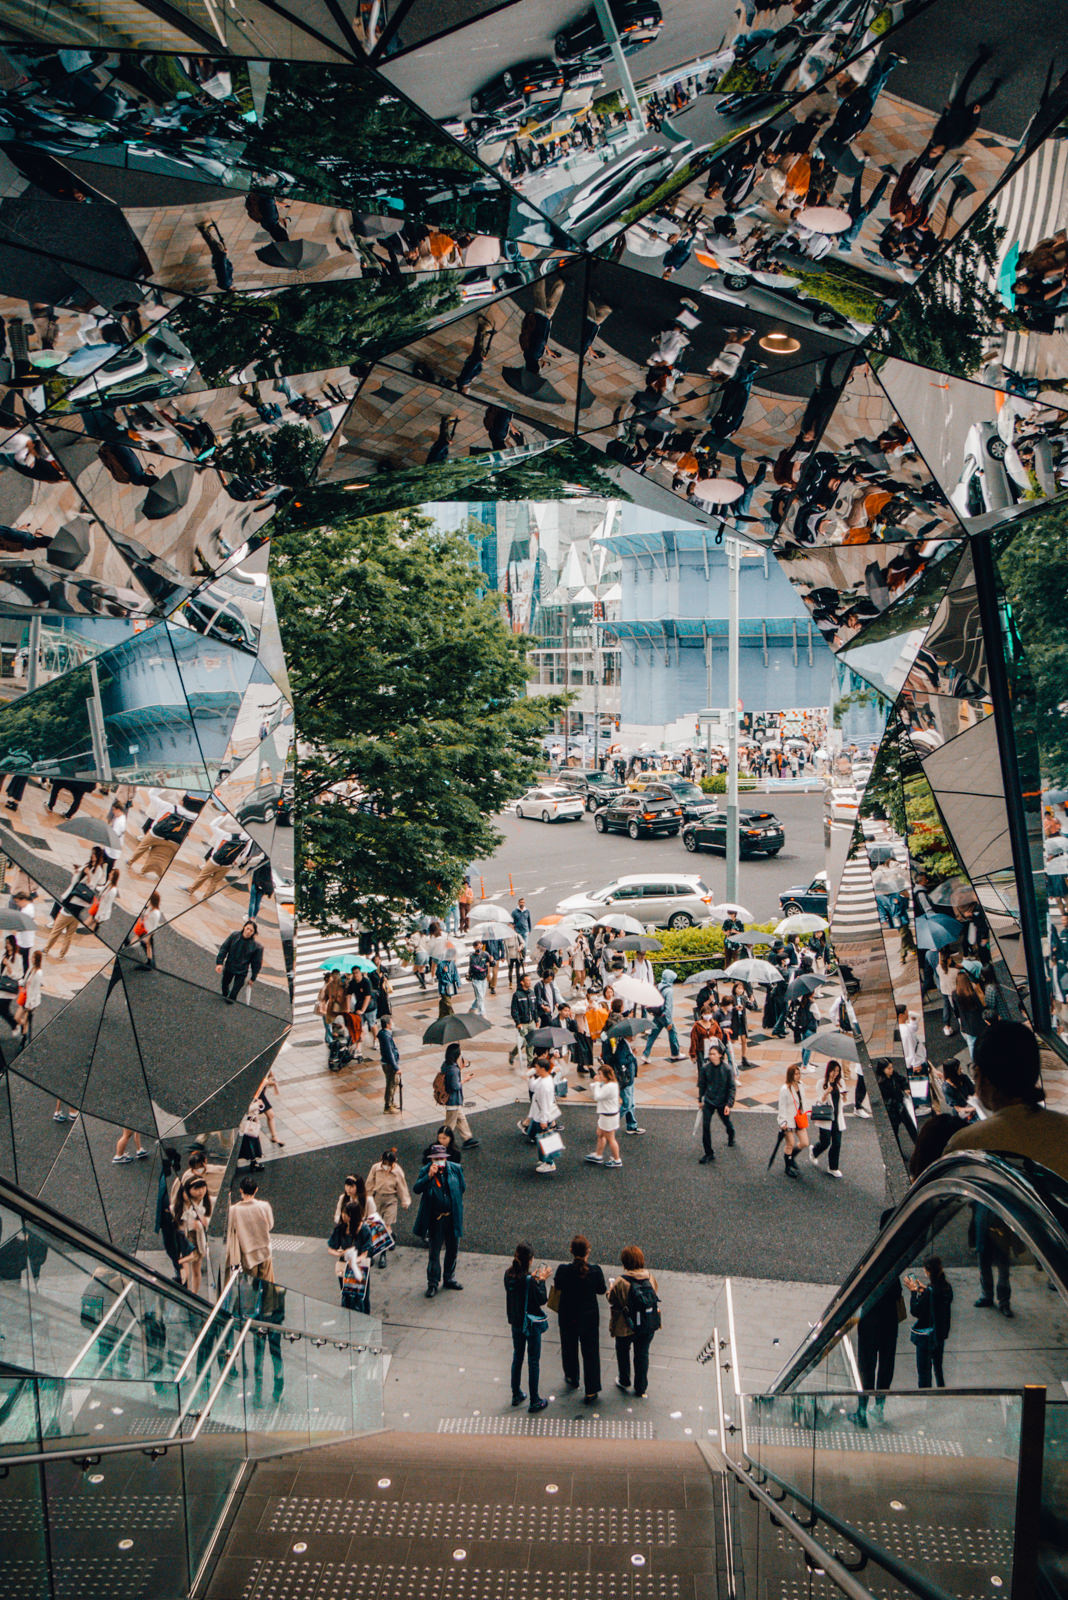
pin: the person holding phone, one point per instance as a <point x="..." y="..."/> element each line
<point x="930" y="1302"/>
<point x="524" y="1296"/>
<point x="440" y="1221"/>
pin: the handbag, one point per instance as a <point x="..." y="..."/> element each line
<point x="550" y="1143"/>
<point x="139" y="928"/>
<point x="553" y="1301"/>
<point x="381" y="1238"/>
<point x="800" y="1119"/>
<point x="533" y="1321"/>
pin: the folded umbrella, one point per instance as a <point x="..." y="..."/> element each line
<point x="830" y="1042"/>
<point x="448" y="1030"/>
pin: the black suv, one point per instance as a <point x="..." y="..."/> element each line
<point x="637" y="815"/>
<point x="637" y="22"/>
<point x="537" y="85"/>
<point x="759" y="833"/>
<point x="596" y="788"/>
<point x="696" y="805"/>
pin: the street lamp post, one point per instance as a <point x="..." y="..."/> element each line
<point x="733" y="625"/>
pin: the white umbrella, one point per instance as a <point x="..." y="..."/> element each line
<point x="637" y="991"/>
<point x="579" y="920"/>
<point x="752" y="970"/>
<point x="616" y="919"/>
<point x="494" y="930"/>
<point x="730" y="908"/>
<point x="488" y="913"/>
<point x="556" y="939"/>
<point x="802" y="922"/>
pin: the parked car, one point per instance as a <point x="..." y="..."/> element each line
<point x="537" y="83"/>
<point x="635" y="815"/>
<point x="595" y="789"/>
<point x="841" y="805"/>
<point x="759" y="833"/>
<point x="690" y="796"/>
<point x="659" y="900"/>
<point x="806" y="897"/>
<point x="271" y="802"/>
<point x="550" y="803"/>
<point x="983" y="485"/>
<point x="637" y="22"/>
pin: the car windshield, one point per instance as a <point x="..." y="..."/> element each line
<point x="687" y="791"/>
<point x="597" y="779"/>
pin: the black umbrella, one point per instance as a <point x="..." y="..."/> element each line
<point x="447" y="1030"/>
<point x="830" y="1042"/>
<point x="775" y="1150"/>
<point x="291" y="253"/>
<point x="70" y="546"/>
<point x="371" y="226"/>
<point x="635" y="941"/>
<point x="89" y="828"/>
<point x="629" y="1028"/>
<point x="170" y="493"/>
<point x="807" y="983"/>
<point x="16" y="921"/>
<point x="552" y="1038"/>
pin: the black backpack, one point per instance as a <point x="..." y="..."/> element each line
<point x="641" y="1308"/>
<point x="228" y="852"/>
<point x="170" y="826"/>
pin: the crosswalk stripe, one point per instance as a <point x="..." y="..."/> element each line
<point x="313" y="949"/>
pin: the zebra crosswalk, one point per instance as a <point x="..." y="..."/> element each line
<point x="313" y="949"/>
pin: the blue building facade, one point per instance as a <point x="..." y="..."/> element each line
<point x="673" y="628"/>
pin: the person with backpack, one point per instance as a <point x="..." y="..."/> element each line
<point x="635" y="1305"/>
<point x="449" y="1092"/>
<point x="161" y="841"/>
<point x="524" y="1298"/>
<point x="261" y="885"/>
<point x="212" y="875"/>
<point x="478" y="977"/>
<point x="238" y="961"/>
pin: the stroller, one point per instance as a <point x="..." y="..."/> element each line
<point x="339" y="1051"/>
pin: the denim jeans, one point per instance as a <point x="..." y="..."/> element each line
<point x="626" y="1105"/>
<point x="530" y="1345"/>
<point x="658" y="1029"/>
<point x="255" y="895"/>
<point x="929" y="1364"/>
<point x="478" y="1004"/>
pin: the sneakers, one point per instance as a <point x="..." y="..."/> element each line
<point x="833" y="1172"/>
<point x="545" y="1166"/>
<point x="140" y="1155"/>
<point x="624" y="1386"/>
<point x="633" y="1130"/>
<point x="613" y="1163"/>
<point x="812" y="1156"/>
<point x="521" y="1125"/>
<point x="121" y="1161"/>
<point x="472" y="1144"/>
<point x="537" y="1405"/>
<point x="598" y="1161"/>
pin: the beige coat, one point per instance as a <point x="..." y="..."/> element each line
<point x="618" y="1326"/>
<point x="248" y="1234"/>
<point x="390" y="1189"/>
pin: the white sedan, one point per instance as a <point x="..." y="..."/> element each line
<point x="551" y="803"/>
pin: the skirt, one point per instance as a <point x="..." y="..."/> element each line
<point x="608" y="1124"/>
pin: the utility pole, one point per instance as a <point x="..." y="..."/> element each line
<point x="733" y="625"/>
<point x="611" y="34"/>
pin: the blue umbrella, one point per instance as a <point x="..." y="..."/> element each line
<point x="935" y="930"/>
<point x="1007" y="276"/>
<point x="339" y="964"/>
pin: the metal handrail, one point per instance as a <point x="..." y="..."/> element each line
<point x="218" y="1309"/>
<point x="1030" y="1200"/>
<point x="97" y="1331"/>
<point x="224" y="1374"/>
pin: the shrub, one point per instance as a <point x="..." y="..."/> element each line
<point x="717" y="783"/>
<point x="691" y="949"/>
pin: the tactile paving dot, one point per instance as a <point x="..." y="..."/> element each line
<point x="289" y="1580"/>
<point x="132" y="1512"/>
<point x="544" y="1522"/>
<point x="115" y="1576"/>
<point x="23" y="1580"/>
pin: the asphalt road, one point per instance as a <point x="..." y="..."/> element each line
<point x="546" y="861"/>
<point x="938" y="412"/>
<point x="442" y="76"/>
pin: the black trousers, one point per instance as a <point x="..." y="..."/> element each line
<point x="233" y="982"/>
<point x="830" y="1139"/>
<point x="441" y="1233"/>
<point x="876" y="1352"/>
<point x="707" y="1113"/>
<point x="584" y="1337"/>
<point x="640" y="1343"/>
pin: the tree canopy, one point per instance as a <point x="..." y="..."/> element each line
<point x="1034" y="571"/>
<point x="415" y="729"/>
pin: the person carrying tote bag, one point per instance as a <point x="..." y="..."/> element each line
<point x="793" y="1120"/>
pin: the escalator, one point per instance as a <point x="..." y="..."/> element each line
<point x="132" y="1411"/>
<point x="943" y="1493"/>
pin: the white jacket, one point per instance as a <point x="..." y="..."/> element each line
<point x="790" y="1101"/>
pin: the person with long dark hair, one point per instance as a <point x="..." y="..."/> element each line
<point x="834" y="1095"/>
<point x="579" y="1285"/>
<point x="349" y="1243"/>
<point x="524" y="1296"/>
<point x="930" y="1302"/>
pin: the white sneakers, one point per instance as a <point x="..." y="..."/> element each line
<point x="545" y="1166"/>
<point x="834" y="1173"/>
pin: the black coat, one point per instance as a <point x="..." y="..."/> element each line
<point x="238" y="954"/>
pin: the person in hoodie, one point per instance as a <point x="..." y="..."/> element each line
<point x="238" y="961"/>
<point x="665" y="1017"/>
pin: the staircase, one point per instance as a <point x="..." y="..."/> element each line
<point x="313" y="949"/>
<point x="416" y="1516"/>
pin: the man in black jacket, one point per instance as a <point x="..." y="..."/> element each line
<point x="525" y="1016"/>
<point x="715" y="1089"/>
<point x="239" y="959"/>
<point x="547" y="1000"/>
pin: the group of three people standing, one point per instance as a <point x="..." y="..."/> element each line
<point x="577" y="1290"/>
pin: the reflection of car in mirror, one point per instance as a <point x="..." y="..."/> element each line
<point x="538" y="82"/>
<point x="637" y="22"/>
<point x="806" y="897"/>
<point x="270" y="802"/>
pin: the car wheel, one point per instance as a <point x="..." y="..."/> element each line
<point x="791" y="909"/>
<point x="507" y="80"/>
<point x="599" y="823"/>
<point x="736" y="280"/>
<point x="996" y="449"/>
<point x="545" y="816"/>
<point x="591" y="803"/>
<point x="644" y="190"/>
<point x="826" y="318"/>
<point x="519" y="811"/>
<point x="476" y="104"/>
<point x="633" y="830"/>
<point x="561" y="46"/>
<point x="690" y="841"/>
<point x="680" y="919"/>
<point x="771" y="854"/>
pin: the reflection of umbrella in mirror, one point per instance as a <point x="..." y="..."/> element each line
<point x="825" y="219"/>
<point x="935" y="930"/>
<point x="291" y="253"/>
<point x="955" y="893"/>
<point x="483" y="251"/>
<point x="16" y="921"/>
<point x="718" y="491"/>
<point x="170" y="493"/>
<point x="1055" y="797"/>
<point x="375" y="227"/>
<point x="1057" y="846"/>
<point x="92" y="829"/>
<point x="829" y="1042"/>
<point x="70" y="546"/>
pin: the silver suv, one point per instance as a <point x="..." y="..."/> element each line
<point x="657" y="899"/>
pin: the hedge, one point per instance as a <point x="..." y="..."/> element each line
<point x="717" y="783"/>
<point x="691" y="949"/>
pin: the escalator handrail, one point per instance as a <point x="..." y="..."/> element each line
<point x="817" y="1556"/>
<point x="1028" y="1198"/>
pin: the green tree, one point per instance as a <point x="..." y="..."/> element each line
<point x="945" y="318"/>
<point x="1034" y="571"/>
<point x="288" y="454"/>
<point x="410" y="692"/>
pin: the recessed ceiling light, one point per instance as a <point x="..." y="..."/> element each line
<point x="780" y="344"/>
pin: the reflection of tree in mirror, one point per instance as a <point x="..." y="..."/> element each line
<point x="51" y="726"/>
<point x="883" y="792"/>
<point x="930" y="847"/>
<point x="946" y="318"/>
<point x="1034" y="571"/>
<point x="312" y="328"/>
<point x="286" y="455"/>
<point x="410" y="693"/>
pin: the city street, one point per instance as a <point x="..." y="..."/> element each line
<point x="547" y="861"/>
